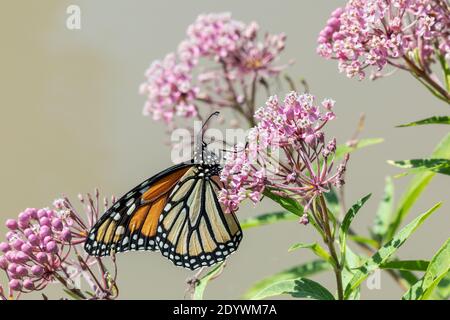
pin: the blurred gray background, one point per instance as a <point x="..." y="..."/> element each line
<point x="72" y="120"/>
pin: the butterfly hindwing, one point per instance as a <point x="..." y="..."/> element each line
<point x="193" y="230"/>
<point x="131" y="222"/>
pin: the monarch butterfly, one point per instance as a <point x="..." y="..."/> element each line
<point x="176" y="212"/>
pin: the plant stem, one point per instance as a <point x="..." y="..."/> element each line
<point x="421" y="74"/>
<point x="337" y="267"/>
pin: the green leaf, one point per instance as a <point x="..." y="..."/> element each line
<point x="303" y="270"/>
<point x="203" y="282"/>
<point x="332" y="200"/>
<point x="314" y="247"/>
<point x="420" y="165"/>
<point x="297" y="288"/>
<point x="442" y="290"/>
<point x="343" y="149"/>
<point x="386" y="251"/>
<point x="352" y="262"/>
<point x="384" y="212"/>
<point x="415" y="188"/>
<point x="432" y="120"/>
<point x="437" y="269"/>
<point x="363" y="240"/>
<point x="408" y="265"/>
<point x="268" y="218"/>
<point x="351" y="213"/>
<point x="287" y="203"/>
<point x="408" y="278"/>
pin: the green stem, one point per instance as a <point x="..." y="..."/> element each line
<point x="337" y="267"/>
<point x="421" y="74"/>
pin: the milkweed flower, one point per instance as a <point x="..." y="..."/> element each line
<point x="371" y="34"/>
<point x="286" y="153"/>
<point x="44" y="246"/>
<point x="219" y="64"/>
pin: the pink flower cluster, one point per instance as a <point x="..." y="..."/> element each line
<point x="36" y="246"/>
<point x="374" y="33"/>
<point x="177" y="85"/>
<point x="45" y="245"/>
<point x="286" y="153"/>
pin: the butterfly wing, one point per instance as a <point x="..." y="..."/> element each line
<point x="193" y="230"/>
<point x="131" y="223"/>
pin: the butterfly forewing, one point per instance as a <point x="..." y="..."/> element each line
<point x="131" y="223"/>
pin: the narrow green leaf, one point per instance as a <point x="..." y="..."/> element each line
<point x="420" y="165"/>
<point x="408" y="265"/>
<point x="332" y="200"/>
<point x="437" y="269"/>
<point x="303" y="270"/>
<point x="408" y="278"/>
<point x="287" y="203"/>
<point x="384" y="212"/>
<point x="415" y="188"/>
<point x="203" y="282"/>
<point x="314" y="247"/>
<point x="386" y="251"/>
<point x="351" y="213"/>
<point x="442" y="290"/>
<point x="432" y="120"/>
<point x="297" y="288"/>
<point x="268" y="218"/>
<point x="352" y="262"/>
<point x="343" y="149"/>
<point x="363" y="240"/>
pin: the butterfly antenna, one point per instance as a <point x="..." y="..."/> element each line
<point x="214" y="114"/>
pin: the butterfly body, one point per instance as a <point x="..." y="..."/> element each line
<point x="176" y="212"/>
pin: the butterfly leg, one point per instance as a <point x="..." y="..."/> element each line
<point x="192" y="282"/>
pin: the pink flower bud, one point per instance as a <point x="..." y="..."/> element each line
<point x="17" y="244"/>
<point x="33" y="239"/>
<point x="23" y="224"/>
<point x="28" y="284"/>
<point x="66" y="235"/>
<point x="4" y="247"/>
<point x="41" y="213"/>
<point x="57" y="224"/>
<point x="3" y="263"/>
<point x="27" y="232"/>
<point x="50" y="213"/>
<point x="337" y="13"/>
<point x="44" y="221"/>
<point x="15" y="285"/>
<point x="46" y="240"/>
<point x="37" y="270"/>
<point x="24" y="217"/>
<point x="45" y="231"/>
<point x="10" y="255"/>
<point x="10" y="235"/>
<point x="304" y="219"/>
<point x="22" y="257"/>
<point x="21" y="271"/>
<point x="26" y="248"/>
<point x="41" y="257"/>
<point x="12" y="268"/>
<point x="32" y="212"/>
<point x="11" y="224"/>
<point x="51" y="247"/>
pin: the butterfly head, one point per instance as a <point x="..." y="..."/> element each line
<point x="203" y="156"/>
